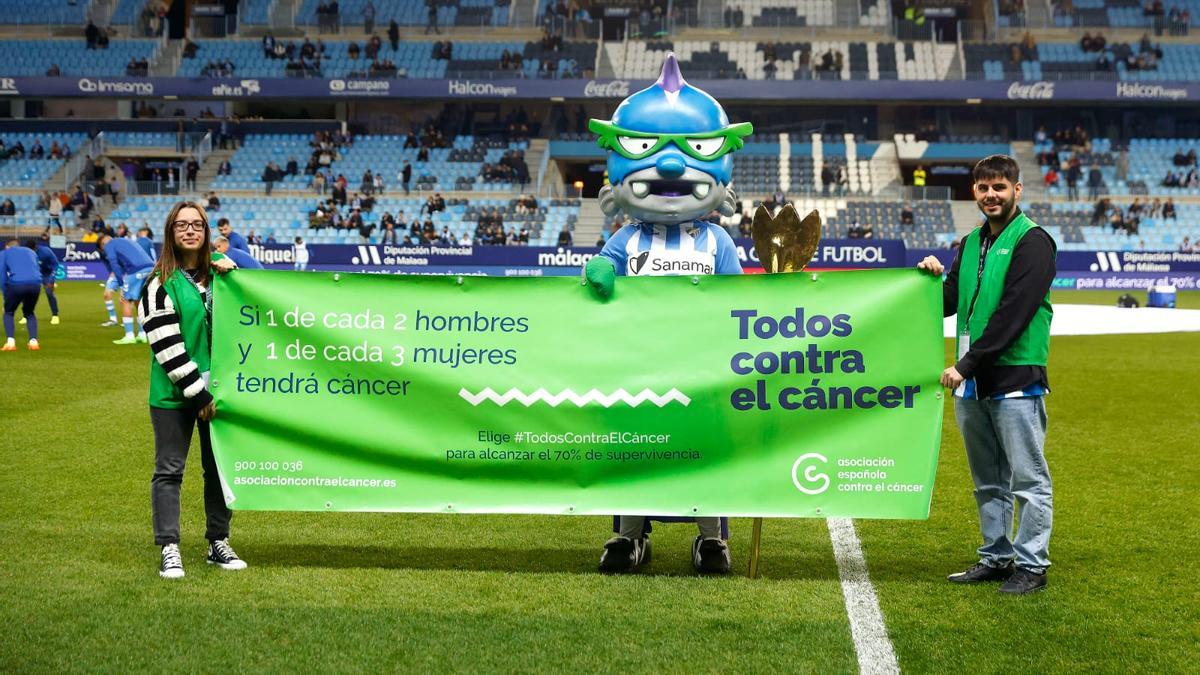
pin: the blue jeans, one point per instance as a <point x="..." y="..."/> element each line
<point x="1005" y="441"/>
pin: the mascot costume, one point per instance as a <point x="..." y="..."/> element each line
<point x="669" y="166"/>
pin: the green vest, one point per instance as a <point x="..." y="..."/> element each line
<point x="1032" y="346"/>
<point x="193" y="325"/>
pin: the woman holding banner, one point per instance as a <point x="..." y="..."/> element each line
<point x="176" y="310"/>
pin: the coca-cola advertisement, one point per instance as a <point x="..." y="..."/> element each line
<point x="1031" y="91"/>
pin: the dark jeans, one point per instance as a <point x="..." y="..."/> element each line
<point x="172" y="437"/>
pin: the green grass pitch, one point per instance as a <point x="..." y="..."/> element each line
<point x="436" y="593"/>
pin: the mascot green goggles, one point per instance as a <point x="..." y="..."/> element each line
<point x="706" y="146"/>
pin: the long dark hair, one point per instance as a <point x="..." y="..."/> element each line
<point x="168" y="260"/>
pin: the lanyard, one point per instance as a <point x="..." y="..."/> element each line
<point x="985" y="244"/>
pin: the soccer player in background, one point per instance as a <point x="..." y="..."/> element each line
<point x="110" y="287"/>
<point x="300" y="254"/>
<point x="240" y="258"/>
<point x="22" y="283"/>
<point x="235" y="240"/>
<point x="145" y="239"/>
<point x="131" y="266"/>
<point x="48" y="266"/>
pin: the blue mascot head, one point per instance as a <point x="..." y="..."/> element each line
<point x="669" y="152"/>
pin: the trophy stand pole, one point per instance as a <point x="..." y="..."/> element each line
<point x="755" y="543"/>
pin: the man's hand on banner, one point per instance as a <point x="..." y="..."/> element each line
<point x="951" y="378"/>
<point x="932" y="265"/>
<point x="601" y="275"/>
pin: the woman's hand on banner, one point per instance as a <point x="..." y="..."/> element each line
<point x="223" y="265"/>
<point x="208" y="412"/>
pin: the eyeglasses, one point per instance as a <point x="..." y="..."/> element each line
<point x="706" y="147"/>
<point x="183" y="225"/>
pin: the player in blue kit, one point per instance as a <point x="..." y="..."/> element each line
<point x="131" y="266"/>
<point x="669" y="165"/>
<point x="239" y="257"/>
<point x="48" y="266"/>
<point x="22" y="282"/>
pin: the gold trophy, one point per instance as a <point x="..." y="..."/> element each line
<point x="784" y="244"/>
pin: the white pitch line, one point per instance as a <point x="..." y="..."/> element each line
<point x="871" y="642"/>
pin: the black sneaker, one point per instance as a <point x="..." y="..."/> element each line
<point x="172" y="563"/>
<point x="1023" y="581"/>
<point x="711" y="556"/>
<point x="622" y="554"/>
<point x="979" y="573"/>
<point x="221" y="554"/>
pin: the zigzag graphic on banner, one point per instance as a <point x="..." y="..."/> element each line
<point x="592" y="396"/>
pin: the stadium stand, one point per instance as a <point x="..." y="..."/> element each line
<point x="412" y="59"/>
<point x="21" y="170"/>
<point x="410" y="13"/>
<point x="457" y="167"/>
<point x="792" y="60"/>
<point x="1066" y="61"/>
<point x="1074" y="228"/>
<point x="32" y="58"/>
<point x="283" y="218"/>
<point x="52" y="12"/>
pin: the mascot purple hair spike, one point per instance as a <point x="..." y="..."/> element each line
<point x="669" y="165"/>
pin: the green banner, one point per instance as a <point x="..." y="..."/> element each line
<point x="802" y="395"/>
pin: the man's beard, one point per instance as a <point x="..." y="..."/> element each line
<point x="1007" y="208"/>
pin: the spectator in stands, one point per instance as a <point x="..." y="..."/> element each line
<point x="405" y="176"/>
<point x="432" y="14"/>
<point x="1095" y="181"/>
<point x="368" y="15"/>
<point x="1051" y="178"/>
<point x="353" y="51"/>
<point x="338" y="194"/>
<point x="53" y="70"/>
<point x="564" y="237"/>
<point x="8" y="208"/>
<point x="423" y="154"/>
<point x="1116" y="220"/>
<point x="906" y="214"/>
<point x="55" y="207"/>
<point x="1191" y="180"/>
<point x="374" y="44"/>
<point x="1074" y="173"/>
<point x="270" y="175"/>
<point x="92" y="35"/>
<point x="192" y="169"/>
<point x="36" y="151"/>
<point x="225" y="169"/>
<point x="268" y="45"/>
<point x="393" y="33"/>
<point x="1168" y="209"/>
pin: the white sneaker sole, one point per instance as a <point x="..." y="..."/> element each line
<point x="171" y="574"/>
<point x="236" y="565"/>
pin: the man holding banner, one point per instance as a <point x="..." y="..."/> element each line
<point x="999" y="286"/>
